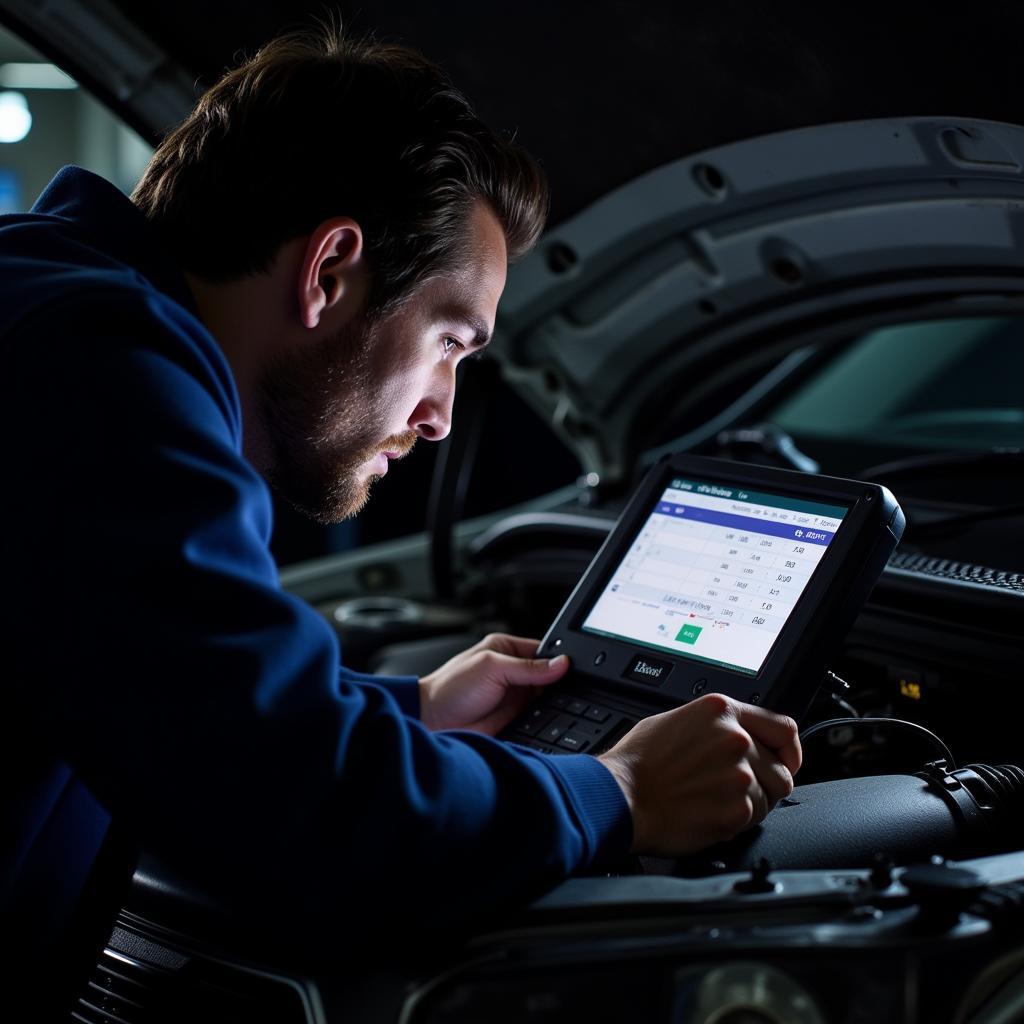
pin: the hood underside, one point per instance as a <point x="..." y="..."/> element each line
<point x="721" y="264"/>
<point x="656" y="287"/>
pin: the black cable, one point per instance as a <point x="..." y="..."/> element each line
<point x="898" y="723"/>
<point x="768" y="440"/>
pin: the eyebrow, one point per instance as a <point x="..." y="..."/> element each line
<point x="481" y="332"/>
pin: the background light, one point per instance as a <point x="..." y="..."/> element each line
<point x="22" y="75"/>
<point x="15" y="119"/>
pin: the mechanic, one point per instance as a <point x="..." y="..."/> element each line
<point x="285" y="298"/>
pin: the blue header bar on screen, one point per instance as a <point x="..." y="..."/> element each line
<point x="749" y="523"/>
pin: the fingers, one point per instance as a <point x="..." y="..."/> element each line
<point x="760" y="806"/>
<point x="776" y="732"/>
<point x="695" y="775"/>
<point x="519" y="671"/>
<point x="773" y="777"/>
<point x="511" y="660"/>
<point x="773" y="754"/>
<point x="505" y="643"/>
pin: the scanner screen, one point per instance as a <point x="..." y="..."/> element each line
<point x="714" y="573"/>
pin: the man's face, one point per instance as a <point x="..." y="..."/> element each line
<point x="337" y="414"/>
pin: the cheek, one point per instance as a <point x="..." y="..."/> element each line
<point x="401" y="387"/>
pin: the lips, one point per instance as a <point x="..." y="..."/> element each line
<point x="398" y="447"/>
<point x="381" y="460"/>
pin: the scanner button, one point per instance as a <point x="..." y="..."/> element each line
<point x="553" y="732"/>
<point x="597" y="714"/>
<point x="576" y="707"/>
<point x="533" y="721"/>
<point x="574" y="741"/>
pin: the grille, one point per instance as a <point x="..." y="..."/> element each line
<point x="958" y="572"/>
<point x="138" y="981"/>
<point x="119" y="990"/>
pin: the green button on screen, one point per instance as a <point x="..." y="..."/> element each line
<point x="689" y="634"/>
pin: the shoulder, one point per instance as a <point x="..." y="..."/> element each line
<point x="73" y="296"/>
<point x="115" y="335"/>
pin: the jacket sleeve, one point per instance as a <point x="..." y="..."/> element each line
<point x="404" y="689"/>
<point x="202" y="704"/>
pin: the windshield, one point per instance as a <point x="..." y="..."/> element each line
<point x="950" y="384"/>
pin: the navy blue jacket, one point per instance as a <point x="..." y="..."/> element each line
<point x="157" y="674"/>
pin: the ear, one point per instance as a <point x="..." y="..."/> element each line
<point x="332" y="277"/>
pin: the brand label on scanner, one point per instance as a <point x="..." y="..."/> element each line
<point x="644" y="669"/>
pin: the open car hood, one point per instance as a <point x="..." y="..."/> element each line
<point x="740" y="259"/>
<point x="641" y="320"/>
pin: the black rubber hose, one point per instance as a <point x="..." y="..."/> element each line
<point x="1006" y="784"/>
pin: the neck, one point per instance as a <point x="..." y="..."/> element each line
<point x="243" y="317"/>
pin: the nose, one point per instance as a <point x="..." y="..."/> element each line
<point x="432" y="417"/>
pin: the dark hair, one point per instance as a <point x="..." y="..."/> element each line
<point x="318" y="125"/>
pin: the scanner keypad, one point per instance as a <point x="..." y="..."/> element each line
<point x="564" y="724"/>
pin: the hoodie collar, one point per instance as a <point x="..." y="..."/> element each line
<point x="116" y="226"/>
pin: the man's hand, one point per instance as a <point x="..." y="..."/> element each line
<point x="487" y="686"/>
<point x="702" y="773"/>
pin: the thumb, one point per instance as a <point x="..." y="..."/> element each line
<point x="530" y="671"/>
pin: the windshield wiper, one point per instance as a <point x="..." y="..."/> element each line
<point x="951" y="524"/>
<point x="923" y="466"/>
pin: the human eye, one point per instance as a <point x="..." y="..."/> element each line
<point x="451" y="344"/>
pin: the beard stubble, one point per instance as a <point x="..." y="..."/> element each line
<point x="322" y="412"/>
